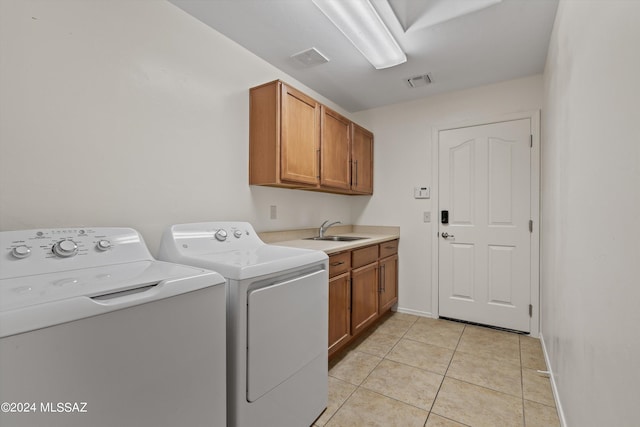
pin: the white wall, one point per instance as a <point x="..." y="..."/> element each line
<point x="132" y="113"/>
<point x="403" y="139"/>
<point x="590" y="265"/>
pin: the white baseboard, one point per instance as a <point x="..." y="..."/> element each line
<point x="416" y="312"/>
<point x="556" y="397"/>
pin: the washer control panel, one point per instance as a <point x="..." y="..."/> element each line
<point x="21" y="251"/>
<point x="65" y="248"/>
<point x="41" y="251"/>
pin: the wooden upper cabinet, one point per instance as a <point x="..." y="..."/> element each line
<point x="300" y="140"/>
<point x="335" y="149"/>
<point x="296" y="142"/>
<point x="284" y="137"/>
<point x="361" y="160"/>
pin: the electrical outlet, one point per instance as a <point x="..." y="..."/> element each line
<point x="427" y="217"/>
<point x="273" y="214"/>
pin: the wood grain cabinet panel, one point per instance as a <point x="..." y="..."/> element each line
<point x="364" y="256"/>
<point x="388" y="248"/>
<point x="361" y="160"/>
<point x="339" y="263"/>
<point x="335" y="149"/>
<point x="339" y="311"/>
<point x="300" y="143"/>
<point x="284" y="137"/>
<point x="295" y="142"/>
<point x="371" y="275"/>
<point x="364" y="289"/>
<point x="388" y="287"/>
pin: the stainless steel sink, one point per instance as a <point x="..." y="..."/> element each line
<point x="337" y="238"/>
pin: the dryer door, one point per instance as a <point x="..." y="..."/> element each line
<point x="286" y="329"/>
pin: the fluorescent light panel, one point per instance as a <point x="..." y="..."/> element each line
<point x="361" y="24"/>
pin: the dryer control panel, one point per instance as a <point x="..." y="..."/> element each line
<point x="28" y="252"/>
<point x="209" y="238"/>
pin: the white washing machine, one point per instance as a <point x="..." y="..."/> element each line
<point x="95" y="332"/>
<point x="277" y="312"/>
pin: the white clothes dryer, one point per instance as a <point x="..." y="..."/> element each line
<point x="95" y="332"/>
<point x="277" y="311"/>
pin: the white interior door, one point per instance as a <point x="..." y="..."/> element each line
<point x="484" y="249"/>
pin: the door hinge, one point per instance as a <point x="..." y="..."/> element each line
<point x="530" y="226"/>
<point x="531" y="141"/>
<point x="530" y="310"/>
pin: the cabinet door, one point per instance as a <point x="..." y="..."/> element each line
<point x="300" y="137"/>
<point x="361" y="160"/>
<point x="364" y="297"/>
<point x="388" y="283"/>
<point x="335" y="146"/>
<point x="339" y="311"/>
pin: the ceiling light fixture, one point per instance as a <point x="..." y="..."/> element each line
<point x="361" y="24"/>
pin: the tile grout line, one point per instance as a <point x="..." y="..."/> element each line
<point x="342" y="404"/>
<point x="365" y="378"/>
<point x="378" y="364"/>
<point x="445" y="375"/>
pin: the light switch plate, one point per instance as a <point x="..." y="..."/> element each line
<point x="427" y="217"/>
<point x="421" y="192"/>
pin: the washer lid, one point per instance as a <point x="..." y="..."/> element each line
<point x="255" y="262"/>
<point x="33" y="302"/>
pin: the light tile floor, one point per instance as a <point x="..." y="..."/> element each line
<point x="415" y="371"/>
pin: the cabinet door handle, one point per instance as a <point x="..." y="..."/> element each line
<point x="384" y="279"/>
<point x="318" y="152"/>
<point x="350" y="293"/>
<point x="356" y="162"/>
<point x="335" y="264"/>
<point x="351" y="173"/>
<point x="389" y="247"/>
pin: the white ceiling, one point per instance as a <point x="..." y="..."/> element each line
<point x="503" y="41"/>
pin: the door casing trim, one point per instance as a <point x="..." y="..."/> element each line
<point x="534" y="116"/>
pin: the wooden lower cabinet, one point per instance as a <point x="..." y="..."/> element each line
<point x="363" y="285"/>
<point x="364" y="289"/>
<point x="388" y="283"/>
<point x="339" y="310"/>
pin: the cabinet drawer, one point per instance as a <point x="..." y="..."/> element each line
<point x="388" y="248"/>
<point x="339" y="263"/>
<point x="364" y="256"/>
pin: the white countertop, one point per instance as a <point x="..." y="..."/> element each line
<point x="372" y="235"/>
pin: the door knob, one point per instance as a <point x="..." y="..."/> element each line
<point x="446" y="235"/>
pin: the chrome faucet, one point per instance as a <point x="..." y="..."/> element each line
<point x="324" y="227"/>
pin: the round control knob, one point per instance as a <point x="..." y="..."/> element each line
<point x="65" y="248"/>
<point x="103" y="245"/>
<point x="21" y="251"/>
<point x="221" y="235"/>
<point x="237" y="233"/>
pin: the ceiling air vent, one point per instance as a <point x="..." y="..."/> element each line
<point x="310" y="57"/>
<point x="419" y="81"/>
